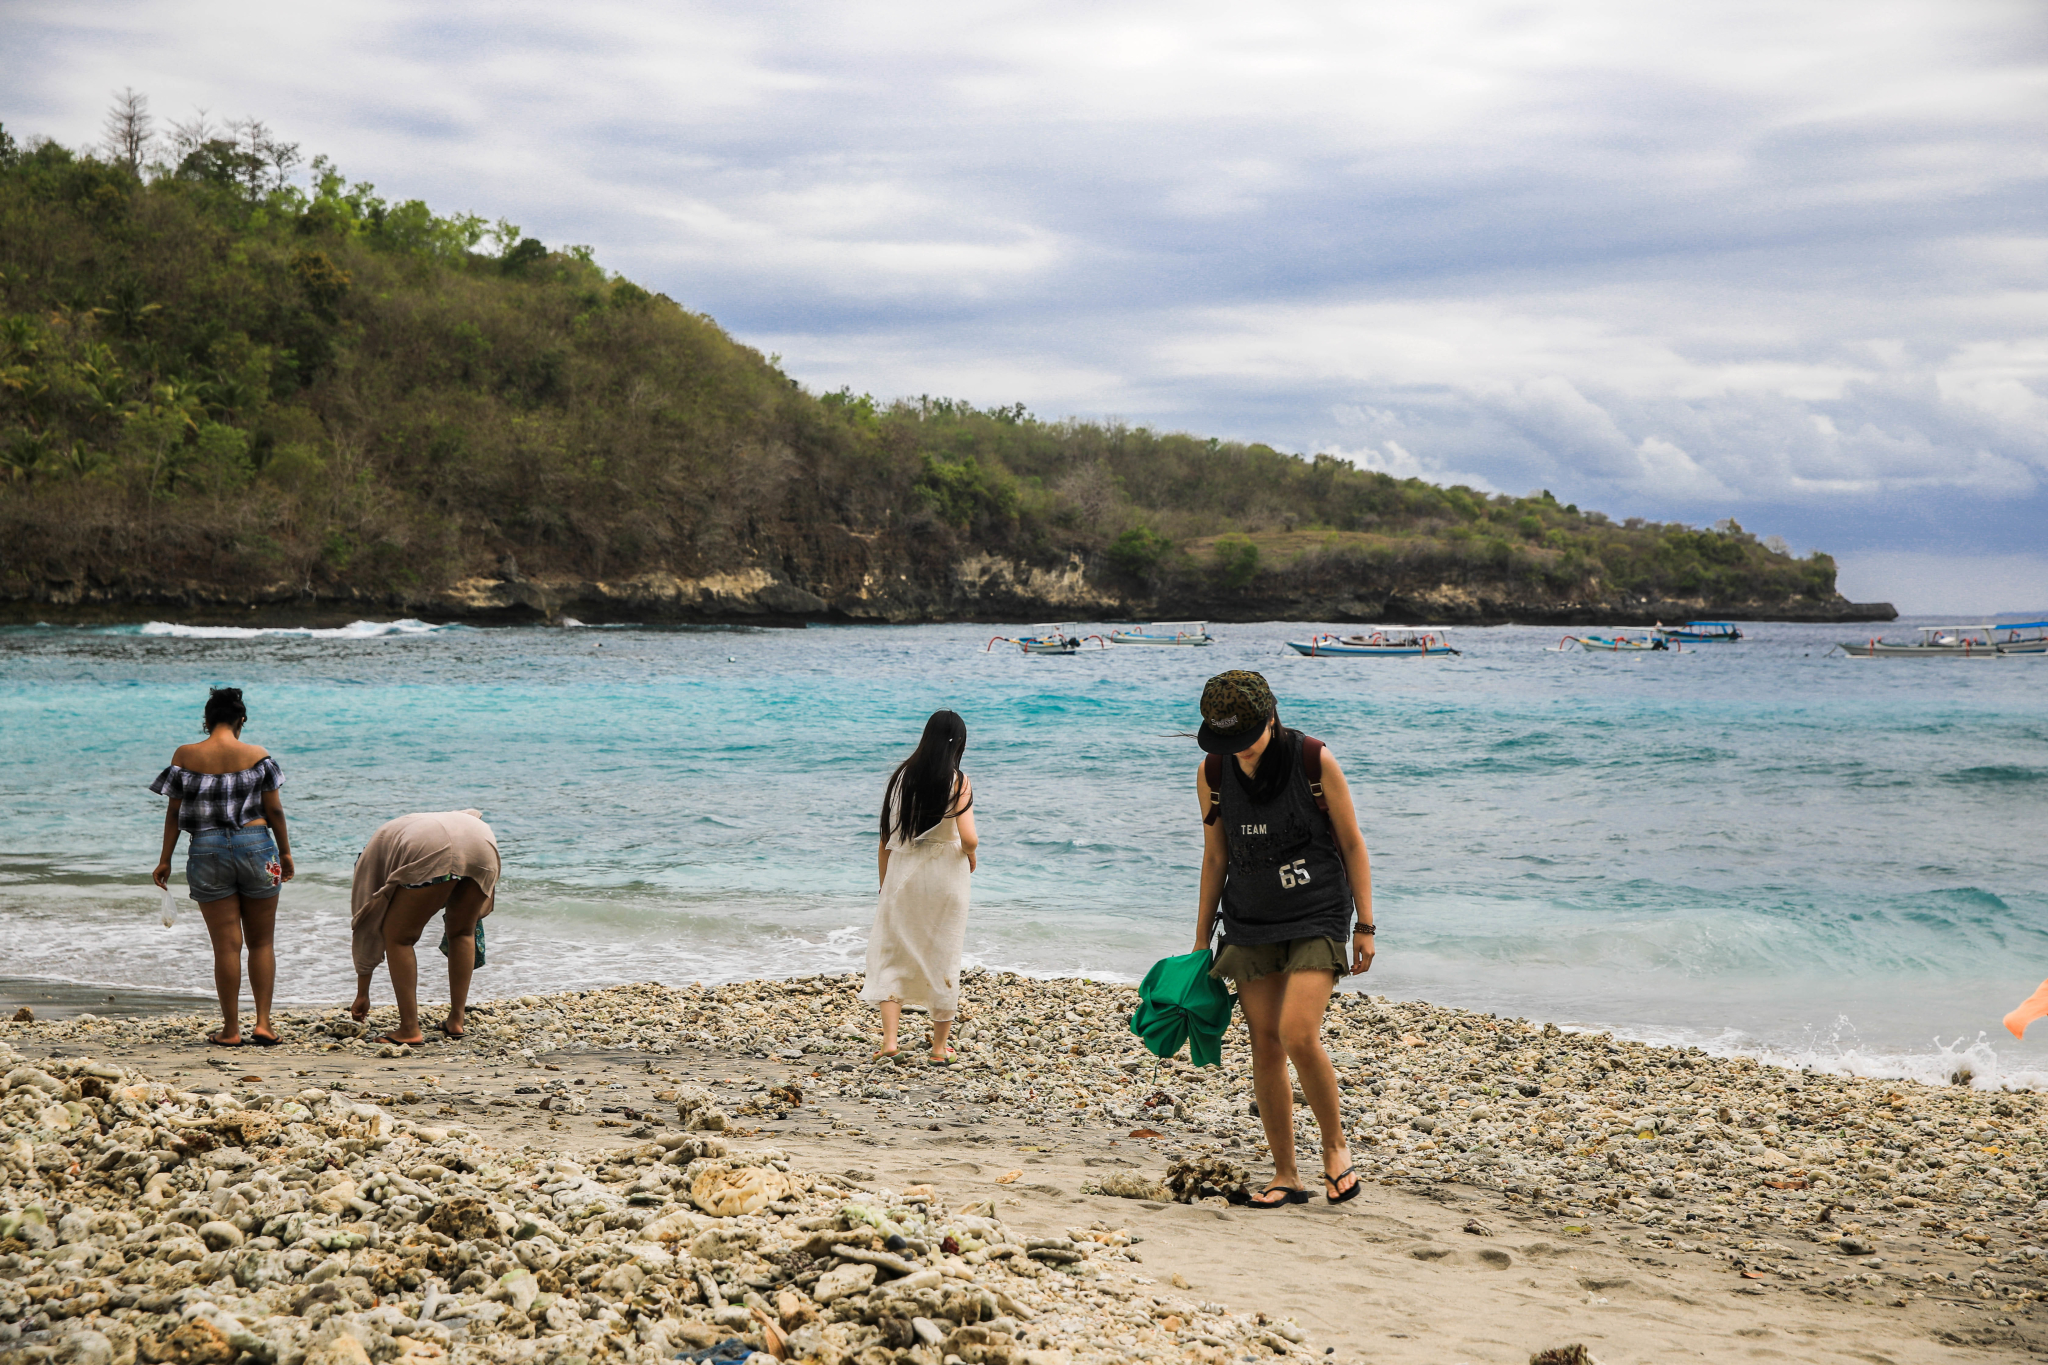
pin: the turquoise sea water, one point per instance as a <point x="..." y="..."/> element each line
<point x="1755" y="847"/>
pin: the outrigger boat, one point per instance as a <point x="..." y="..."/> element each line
<point x="1618" y="644"/>
<point x="2015" y="643"/>
<point x="1956" y="642"/>
<point x="1702" y="632"/>
<point x="1048" y="638"/>
<point x="1385" y="642"/>
<point x="1165" y="633"/>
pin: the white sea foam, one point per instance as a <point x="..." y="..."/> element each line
<point x="354" y="630"/>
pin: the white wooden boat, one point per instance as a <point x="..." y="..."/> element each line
<point x="1987" y="641"/>
<point x="1381" y="642"/>
<point x="1050" y="637"/>
<point x="1165" y="633"/>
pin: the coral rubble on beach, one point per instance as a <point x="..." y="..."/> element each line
<point x="147" y="1222"/>
<point x="152" y="1213"/>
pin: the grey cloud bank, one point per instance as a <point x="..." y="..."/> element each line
<point x="1783" y="263"/>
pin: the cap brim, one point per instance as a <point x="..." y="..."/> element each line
<point x="1232" y="742"/>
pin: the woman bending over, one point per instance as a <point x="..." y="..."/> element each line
<point x="1284" y="863"/>
<point x="415" y="867"/>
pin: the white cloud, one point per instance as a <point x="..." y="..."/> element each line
<point x="1681" y="261"/>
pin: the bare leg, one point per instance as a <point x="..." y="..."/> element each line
<point x="892" y="1014"/>
<point x="412" y="908"/>
<point x="1306" y="999"/>
<point x="941" y="1028"/>
<point x="259" y="931"/>
<point x="1263" y="1002"/>
<point x="465" y="912"/>
<point x="224" y="926"/>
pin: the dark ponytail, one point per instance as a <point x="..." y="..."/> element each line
<point x="920" y="791"/>
<point x="224" y="707"/>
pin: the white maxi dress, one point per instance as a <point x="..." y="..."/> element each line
<point x="921" y="923"/>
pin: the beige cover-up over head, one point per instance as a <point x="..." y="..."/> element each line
<point x="414" y="849"/>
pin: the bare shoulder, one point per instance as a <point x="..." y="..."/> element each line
<point x="182" y="755"/>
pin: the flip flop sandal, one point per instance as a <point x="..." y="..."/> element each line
<point x="887" y="1055"/>
<point x="458" y="1034"/>
<point x="1290" y="1195"/>
<point x="1333" y="1181"/>
<point x="402" y="1042"/>
<point x="264" y="1040"/>
<point x="216" y="1040"/>
<point x="946" y="1060"/>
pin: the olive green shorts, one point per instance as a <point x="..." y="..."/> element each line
<point x="1239" y="964"/>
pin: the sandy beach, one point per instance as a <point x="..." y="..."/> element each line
<point x="1530" y="1189"/>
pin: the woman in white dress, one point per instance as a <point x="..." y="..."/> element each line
<point x="926" y="855"/>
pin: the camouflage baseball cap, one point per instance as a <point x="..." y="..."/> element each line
<point x="1235" y="708"/>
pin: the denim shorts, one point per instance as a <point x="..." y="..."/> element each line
<point x="227" y="862"/>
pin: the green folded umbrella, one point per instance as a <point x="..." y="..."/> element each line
<point x="1180" y="1002"/>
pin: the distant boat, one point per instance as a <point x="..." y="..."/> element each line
<point x="1165" y="633"/>
<point x="1618" y="644"/>
<point x="1987" y="641"/>
<point x="2012" y="642"/>
<point x="1384" y="642"/>
<point x="1050" y="637"/>
<point x="1702" y="632"/>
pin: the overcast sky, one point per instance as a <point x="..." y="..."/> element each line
<point x="1782" y="261"/>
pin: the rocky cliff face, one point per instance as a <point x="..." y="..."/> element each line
<point x="849" y="577"/>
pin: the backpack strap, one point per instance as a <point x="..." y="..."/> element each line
<point x="1212" y="770"/>
<point x="1312" y="768"/>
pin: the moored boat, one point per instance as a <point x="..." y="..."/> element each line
<point x="1619" y="644"/>
<point x="2010" y="641"/>
<point x="1702" y="632"/>
<point x="1165" y="633"/>
<point x="1050" y="637"/>
<point x="1954" y="642"/>
<point x="1383" y="642"/>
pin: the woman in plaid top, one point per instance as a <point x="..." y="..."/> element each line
<point x="224" y="794"/>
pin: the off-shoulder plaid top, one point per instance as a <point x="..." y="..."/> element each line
<point x="218" y="800"/>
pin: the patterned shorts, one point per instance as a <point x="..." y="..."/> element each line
<point x="233" y="862"/>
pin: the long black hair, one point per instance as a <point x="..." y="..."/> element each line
<point x="920" y="791"/>
<point x="224" y="707"/>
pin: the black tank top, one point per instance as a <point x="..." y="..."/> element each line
<point x="1285" y="879"/>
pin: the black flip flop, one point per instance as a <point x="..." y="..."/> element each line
<point x="458" y="1034"/>
<point x="1292" y="1195"/>
<point x="400" y="1042"/>
<point x="215" y="1039"/>
<point x="261" y="1041"/>
<point x="1333" y="1181"/>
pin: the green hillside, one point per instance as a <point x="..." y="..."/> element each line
<point x="212" y="376"/>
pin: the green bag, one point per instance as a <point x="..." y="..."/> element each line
<point x="1179" y="1002"/>
<point x="479" y="942"/>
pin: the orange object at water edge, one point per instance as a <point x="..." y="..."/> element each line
<point x="2032" y="1008"/>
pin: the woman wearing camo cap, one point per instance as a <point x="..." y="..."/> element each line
<point x="1285" y="869"/>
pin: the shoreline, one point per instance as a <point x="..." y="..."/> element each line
<point x="51" y="1000"/>
<point x="1642" y="1200"/>
<point x="556" y="607"/>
